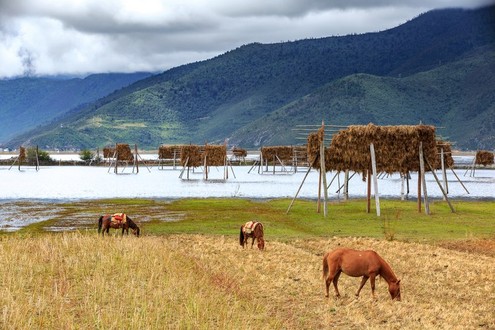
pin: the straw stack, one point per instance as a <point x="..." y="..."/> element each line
<point x="396" y="148"/>
<point x="239" y="152"/>
<point x="313" y="150"/>
<point x="22" y="154"/>
<point x="124" y="152"/>
<point x="167" y="152"/>
<point x="284" y="153"/>
<point x="484" y="158"/>
<point x="190" y="154"/>
<point x="108" y="152"/>
<point x="215" y="155"/>
<point x="447" y="154"/>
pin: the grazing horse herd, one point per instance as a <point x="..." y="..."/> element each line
<point x="355" y="263"/>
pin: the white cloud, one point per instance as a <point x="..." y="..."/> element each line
<point x="85" y="36"/>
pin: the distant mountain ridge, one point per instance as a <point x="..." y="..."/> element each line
<point x="27" y="102"/>
<point x="256" y="94"/>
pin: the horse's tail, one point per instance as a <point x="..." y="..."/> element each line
<point x="241" y="237"/>
<point x="100" y="223"/>
<point x="325" y="266"/>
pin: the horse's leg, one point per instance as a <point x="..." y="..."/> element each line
<point x="252" y="242"/>
<point x="335" y="283"/>
<point x="363" y="282"/>
<point x="372" y="282"/>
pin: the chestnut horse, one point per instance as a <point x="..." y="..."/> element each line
<point x="367" y="264"/>
<point x="254" y="230"/>
<point x="118" y="220"/>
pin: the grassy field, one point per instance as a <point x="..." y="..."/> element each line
<point x="188" y="271"/>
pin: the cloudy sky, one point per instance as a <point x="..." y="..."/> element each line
<point x="46" y="37"/>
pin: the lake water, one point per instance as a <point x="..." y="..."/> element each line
<point x="55" y="184"/>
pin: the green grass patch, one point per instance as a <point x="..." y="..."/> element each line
<point x="399" y="220"/>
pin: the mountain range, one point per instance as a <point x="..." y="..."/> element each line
<point x="435" y="69"/>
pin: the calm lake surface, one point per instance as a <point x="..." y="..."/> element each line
<point x="22" y="190"/>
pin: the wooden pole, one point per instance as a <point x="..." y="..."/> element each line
<point x="136" y="161"/>
<point x="423" y="178"/>
<point x="331" y="181"/>
<point x="116" y="158"/>
<point x="324" y="176"/>
<point x="459" y="180"/>
<point x="225" y="168"/>
<point x="440" y="186"/>
<point x="402" y="179"/>
<point x="318" y="203"/>
<point x="375" y="180"/>
<point x="444" y="173"/>
<point x="346" y="185"/>
<point x="37" y="159"/>
<point x="368" y="194"/>
<point x="184" y="168"/>
<point x="298" y="190"/>
<point x="205" y="175"/>
<point x="419" y="190"/>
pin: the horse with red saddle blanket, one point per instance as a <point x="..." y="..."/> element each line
<point x="117" y="221"/>
<point x="254" y="230"/>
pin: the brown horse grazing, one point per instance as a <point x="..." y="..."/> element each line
<point x="117" y="220"/>
<point x="254" y="230"/>
<point x="367" y="264"/>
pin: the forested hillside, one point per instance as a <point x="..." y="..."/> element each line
<point x="435" y="68"/>
<point x="29" y="102"/>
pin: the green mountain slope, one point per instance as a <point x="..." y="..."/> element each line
<point x="29" y="102"/>
<point x="457" y="97"/>
<point x="250" y="93"/>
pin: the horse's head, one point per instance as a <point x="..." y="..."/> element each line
<point x="261" y="243"/>
<point x="394" y="289"/>
<point x="136" y="231"/>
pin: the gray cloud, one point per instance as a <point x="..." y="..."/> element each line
<point x="68" y="37"/>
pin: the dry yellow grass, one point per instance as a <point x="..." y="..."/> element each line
<point x="76" y="281"/>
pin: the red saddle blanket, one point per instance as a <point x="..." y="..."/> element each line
<point x="119" y="217"/>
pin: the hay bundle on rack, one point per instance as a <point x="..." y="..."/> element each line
<point x="282" y="153"/>
<point x="300" y="153"/>
<point x="215" y="155"/>
<point x="108" y="152"/>
<point x="313" y="149"/>
<point x="396" y="148"/>
<point x="190" y="155"/>
<point x="168" y="152"/>
<point x="22" y="154"/>
<point x="484" y="158"/>
<point x="124" y="152"/>
<point x="447" y="155"/>
<point x="238" y="152"/>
